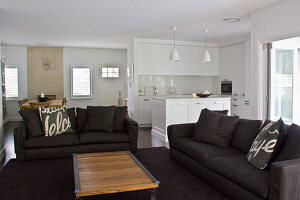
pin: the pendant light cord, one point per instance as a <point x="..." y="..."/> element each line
<point x="174" y="38"/>
<point x="205" y="38"/>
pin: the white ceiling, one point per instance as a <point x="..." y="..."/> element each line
<point x="114" y="22"/>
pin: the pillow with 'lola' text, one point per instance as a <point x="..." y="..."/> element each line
<point x="267" y="144"/>
<point x="55" y="120"/>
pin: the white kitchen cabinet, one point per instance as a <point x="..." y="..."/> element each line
<point x="175" y="67"/>
<point x="145" y="111"/>
<point x="156" y="59"/>
<point x="180" y="112"/>
<point x="144" y="59"/>
<point x="241" y="107"/>
<point x="172" y="110"/>
<point x="215" y="105"/>
<point x="195" y="109"/>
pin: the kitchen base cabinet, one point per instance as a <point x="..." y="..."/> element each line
<point x="167" y="111"/>
<point x="145" y="112"/>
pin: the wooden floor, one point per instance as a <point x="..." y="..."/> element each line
<point x="145" y="140"/>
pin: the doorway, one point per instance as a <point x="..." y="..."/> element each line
<point x="284" y="81"/>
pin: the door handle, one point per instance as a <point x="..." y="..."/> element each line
<point x="146" y="99"/>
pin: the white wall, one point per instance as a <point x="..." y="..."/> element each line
<point x="105" y="91"/>
<point x="275" y="22"/>
<point x="232" y="67"/>
<point x="16" y="56"/>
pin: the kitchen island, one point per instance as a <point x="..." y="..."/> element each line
<point x="180" y="109"/>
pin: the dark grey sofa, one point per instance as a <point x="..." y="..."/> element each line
<point x="64" y="145"/>
<point x="228" y="170"/>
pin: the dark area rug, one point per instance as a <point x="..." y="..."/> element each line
<point x="53" y="180"/>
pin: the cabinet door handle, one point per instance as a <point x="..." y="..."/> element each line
<point x="234" y="105"/>
<point x="247" y="103"/>
<point x="217" y="102"/>
<point x="234" y="99"/>
<point x="146" y="99"/>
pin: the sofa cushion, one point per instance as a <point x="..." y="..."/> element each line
<point x="215" y="128"/>
<point x="120" y="116"/>
<point x="100" y="118"/>
<point x="33" y="122"/>
<point x="80" y="119"/>
<point x="267" y="144"/>
<point x="103" y="137"/>
<point x="202" y="151"/>
<point x="290" y="148"/>
<point x="72" y="116"/>
<point x="240" y="171"/>
<point x="66" y="139"/>
<point x="55" y="120"/>
<point x="245" y="133"/>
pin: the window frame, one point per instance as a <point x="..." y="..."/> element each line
<point x="12" y="98"/>
<point x="91" y="82"/>
<point x="110" y="67"/>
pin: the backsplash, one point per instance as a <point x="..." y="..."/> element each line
<point x="182" y="84"/>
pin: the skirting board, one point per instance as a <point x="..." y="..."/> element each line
<point x="2" y="154"/>
<point x="157" y="135"/>
<point x="14" y="119"/>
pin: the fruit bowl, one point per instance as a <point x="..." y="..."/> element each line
<point x="201" y="95"/>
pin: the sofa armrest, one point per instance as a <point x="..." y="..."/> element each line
<point x="132" y="128"/>
<point x="19" y="138"/>
<point x="285" y="180"/>
<point x="180" y="131"/>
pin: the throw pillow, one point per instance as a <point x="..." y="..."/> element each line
<point x="224" y="112"/>
<point x="120" y="116"/>
<point x="215" y="128"/>
<point x="100" y="118"/>
<point x="245" y="133"/>
<point x="80" y="119"/>
<point x="55" y="120"/>
<point x="33" y="122"/>
<point x="267" y="144"/>
<point x="291" y="148"/>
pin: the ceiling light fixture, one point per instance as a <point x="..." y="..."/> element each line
<point x="133" y="1"/>
<point x="206" y="56"/>
<point x="231" y="20"/>
<point x="174" y="56"/>
<point x="89" y="30"/>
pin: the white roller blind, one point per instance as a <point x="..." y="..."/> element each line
<point x="12" y="82"/>
<point x="81" y="82"/>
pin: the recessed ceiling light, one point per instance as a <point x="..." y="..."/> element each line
<point x="89" y="30"/>
<point x="133" y="1"/>
<point x="231" y="20"/>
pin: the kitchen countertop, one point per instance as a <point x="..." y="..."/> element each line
<point x="187" y="97"/>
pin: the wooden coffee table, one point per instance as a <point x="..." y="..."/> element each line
<point x="111" y="172"/>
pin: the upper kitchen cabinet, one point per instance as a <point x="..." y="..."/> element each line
<point x="150" y="59"/>
<point x="144" y="59"/>
<point x="195" y="65"/>
<point x="175" y="67"/>
<point x="156" y="59"/>
<point x="153" y="58"/>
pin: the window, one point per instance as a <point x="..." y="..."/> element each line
<point x="110" y="72"/>
<point x="81" y="82"/>
<point x="12" y="82"/>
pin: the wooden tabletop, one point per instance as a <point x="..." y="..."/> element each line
<point x="110" y="172"/>
<point x="53" y="103"/>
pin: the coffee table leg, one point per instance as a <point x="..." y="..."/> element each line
<point x="153" y="194"/>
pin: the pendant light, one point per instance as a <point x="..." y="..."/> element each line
<point x="206" y="56"/>
<point x="174" y="56"/>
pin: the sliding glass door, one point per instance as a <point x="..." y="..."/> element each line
<point x="285" y="81"/>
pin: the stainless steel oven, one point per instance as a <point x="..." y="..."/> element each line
<point x="226" y="87"/>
